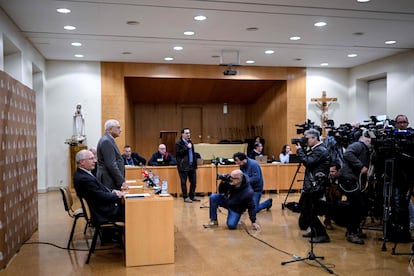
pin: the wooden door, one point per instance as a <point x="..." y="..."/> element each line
<point x="192" y="117"/>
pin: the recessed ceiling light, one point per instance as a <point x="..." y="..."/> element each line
<point x="178" y="48"/>
<point x="358" y="33"/>
<point x="78" y="55"/>
<point x="295" y="38"/>
<point x="126" y="53"/>
<point x="389" y="42"/>
<point x="250" y="61"/>
<point x="269" y="52"/>
<point x="320" y="24"/>
<point x="363" y="1"/>
<point x="324" y="64"/>
<point x="76" y="44"/>
<point x="189" y="33"/>
<point x="168" y="58"/>
<point x="132" y="22"/>
<point x="200" y="17"/>
<point x="252" y="29"/>
<point x="69" y="28"/>
<point x="352" y="55"/>
<point x="63" y="10"/>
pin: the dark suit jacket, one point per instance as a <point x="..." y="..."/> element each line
<point x="181" y="152"/>
<point x="104" y="205"/>
<point x="158" y="160"/>
<point x="111" y="169"/>
<point x="136" y="158"/>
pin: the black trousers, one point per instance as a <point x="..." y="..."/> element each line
<point x="192" y="177"/>
<point x="310" y="207"/>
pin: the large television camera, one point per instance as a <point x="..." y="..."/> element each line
<point x="343" y="134"/>
<point x="301" y="128"/>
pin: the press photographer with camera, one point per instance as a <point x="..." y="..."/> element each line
<point x="316" y="160"/>
<point x="236" y="195"/>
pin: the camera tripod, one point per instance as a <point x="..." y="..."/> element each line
<point x="203" y="205"/>
<point x="291" y="184"/>
<point x="311" y="255"/>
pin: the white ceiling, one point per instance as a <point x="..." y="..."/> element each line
<point x="102" y="29"/>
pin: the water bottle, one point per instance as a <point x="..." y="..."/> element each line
<point x="164" y="187"/>
<point x="156" y="180"/>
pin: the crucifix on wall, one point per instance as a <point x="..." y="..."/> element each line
<point x="323" y="104"/>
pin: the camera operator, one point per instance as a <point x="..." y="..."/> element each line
<point x="236" y="195"/>
<point x="316" y="160"/>
<point x="254" y="172"/>
<point x="351" y="179"/>
<point x="403" y="182"/>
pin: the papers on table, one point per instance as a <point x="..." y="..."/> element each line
<point x="135" y="187"/>
<point x="131" y="181"/>
<point x="137" y="195"/>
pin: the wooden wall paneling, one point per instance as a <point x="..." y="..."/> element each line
<point x="192" y="118"/>
<point x="296" y="97"/>
<point x="113" y="97"/>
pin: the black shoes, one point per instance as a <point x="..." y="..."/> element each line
<point x="320" y="239"/>
<point x="308" y="235"/>
<point x="353" y="238"/>
<point x="271" y="204"/>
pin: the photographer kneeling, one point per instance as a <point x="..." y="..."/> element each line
<point x="236" y="195"/>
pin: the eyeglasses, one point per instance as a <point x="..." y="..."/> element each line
<point x="402" y="122"/>
<point x="231" y="177"/>
<point x="90" y="158"/>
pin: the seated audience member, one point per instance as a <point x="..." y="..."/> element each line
<point x="133" y="158"/>
<point x="162" y="157"/>
<point x="105" y="205"/>
<point x="284" y="155"/>
<point x="95" y="154"/>
<point x="257" y="151"/>
<point x="236" y="195"/>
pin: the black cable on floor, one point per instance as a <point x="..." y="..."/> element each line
<point x="69" y="249"/>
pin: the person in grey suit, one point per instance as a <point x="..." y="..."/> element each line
<point x="111" y="169"/>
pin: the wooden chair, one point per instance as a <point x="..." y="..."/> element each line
<point x="75" y="214"/>
<point x="119" y="226"/>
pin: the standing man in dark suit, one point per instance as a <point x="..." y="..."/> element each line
<point x="186" y="165"/>
<point x="111" y="169"/>
<point x="105" y="205"/>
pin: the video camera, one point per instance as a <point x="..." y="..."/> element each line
<point x="224" y="177"/>
<point x="343" y="134"/>
<point x="301" y="128"/>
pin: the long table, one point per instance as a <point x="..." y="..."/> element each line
<point x="149" y="228"/>
<point x="277" y="177"/>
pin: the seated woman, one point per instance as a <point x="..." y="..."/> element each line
<point x="284" y="155"/>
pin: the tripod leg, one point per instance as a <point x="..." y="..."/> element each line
<point x="290" y="187"/>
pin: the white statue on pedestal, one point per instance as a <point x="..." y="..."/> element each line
<point x="78" y="124"/>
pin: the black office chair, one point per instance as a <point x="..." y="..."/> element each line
<point x="75" y="214"/>
<point x="99" y="227"/>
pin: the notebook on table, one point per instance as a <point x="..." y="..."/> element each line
<point x="293" y="158"/>
<point x="262" y="159"/>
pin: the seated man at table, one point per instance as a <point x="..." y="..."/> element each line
<point x="236" y="195"/>
<point x="133" y="158"/>
<point x="104" y="204"/>
<point x="162" y="157"/>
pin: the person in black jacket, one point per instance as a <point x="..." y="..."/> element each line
<point x="351" y="177"/>
<point x="186" y="165"/>
<point x="236" y="195"/>
<point x="105" y="205"/>
<point x="317" y="162"/>
<point x="133" y="158"/>
<point x="162" y="157"/>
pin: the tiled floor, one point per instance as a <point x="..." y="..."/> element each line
<point x="200" y="251"/>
